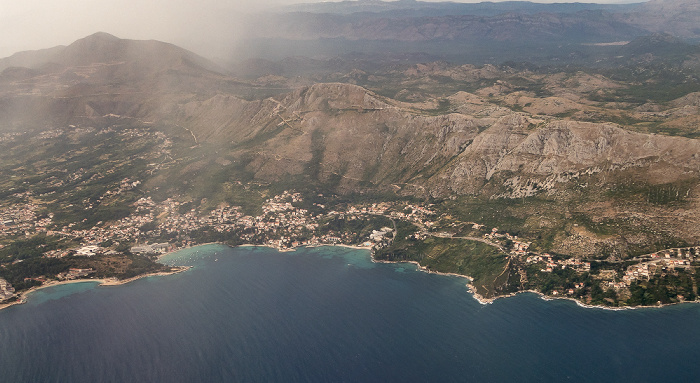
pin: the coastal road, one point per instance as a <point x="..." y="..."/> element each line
<point x="482" y="240"/>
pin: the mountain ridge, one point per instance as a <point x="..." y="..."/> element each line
<point x="347" y="136"/>
<point x="297" y="122"/>
<point x="476" y="33"/>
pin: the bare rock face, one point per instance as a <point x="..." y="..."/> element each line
<point x="691" y="99"/>
<point x="341" y="133"/>
<point x="344" y="132"/>
<point x="552" y="153"/>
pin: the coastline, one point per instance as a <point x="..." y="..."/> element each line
<point x="286" y="249"/>
<point x="161" y="256"/>
<point x="22" y="298"/>
<point x="472" y="290"/>
<point x="479" y="298"/>
<point x="24" y="295"/>
<point x="486" y="301"/>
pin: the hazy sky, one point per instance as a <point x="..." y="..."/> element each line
<point x="36" y="24"/>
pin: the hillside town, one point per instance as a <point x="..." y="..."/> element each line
<point x="155" y="228"/>
<point x="6" y="290"/>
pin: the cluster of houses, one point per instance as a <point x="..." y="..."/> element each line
<point x="282" y="202"/>
<point x="281" y="224"/>
<point x="381" y="235"/>
<point x="74" y="273"/>
<point x="156" y="248"/>
<point x="571" y="291"/>
<point x="91" y="250"/>
<point x="375" y="208"/>
<point x="6" y="290"/>
<point x="519" y="248"/>
<point x="420" y="215"/>
<point x="21" y="219"/>
<point x="9" y="136"/>
<point x="125" y="185"/>
<point x="550" y="264"/>
<point x="660" y="262"/>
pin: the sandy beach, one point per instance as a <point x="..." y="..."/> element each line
<point x="22" y="298"/>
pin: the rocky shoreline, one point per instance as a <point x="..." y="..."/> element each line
<point x="485" y="301"/>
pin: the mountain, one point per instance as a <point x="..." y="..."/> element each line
<point x="432" y="131"/>
<point x="104" y="48"/>
<point x="675" y="17"/>
<point x="361" y="139"/>
<point x="661" y="45"/>
<point x="465" y="33"/>
<point x="411" y="7"/>
<point x="582" y="26"/>
<point x="356" y="134"/>
<point x="97" y="76"/>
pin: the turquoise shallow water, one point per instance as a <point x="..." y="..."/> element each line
<point x="329" y="315"/>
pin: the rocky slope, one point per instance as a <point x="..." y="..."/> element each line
<point x="541" y="155"/>
<point x="338" y="130"/>
<point x="489" y="144"/>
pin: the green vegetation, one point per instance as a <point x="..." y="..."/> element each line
<point x="666" y="289"/>
<point x="501" y="213"/>
<point x="33" y="247"/>
<point x="444" y="107"/>
<point x="353" y="230"/>
<point x="485" y="264"/>
<point x="661" y="194"/>
<point x="17" y="274"/>
<point x="84" y="179"/>
<point x="558" y="279"/>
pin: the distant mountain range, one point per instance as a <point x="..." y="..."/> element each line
<point x="102" y="47"/>
<point x="676" y="17"/>
<point x="405" y="8"/>
<point x="474" y="33"/>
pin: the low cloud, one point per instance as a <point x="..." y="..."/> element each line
<point x="36" y="24"/>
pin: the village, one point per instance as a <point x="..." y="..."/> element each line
<point x="155" y="228"/>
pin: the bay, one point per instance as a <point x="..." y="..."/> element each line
<point x="329" y="315"/>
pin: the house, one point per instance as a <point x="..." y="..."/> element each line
<point x="88" y="251"/>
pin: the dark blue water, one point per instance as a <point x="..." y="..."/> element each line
<point x="330" y="315"/>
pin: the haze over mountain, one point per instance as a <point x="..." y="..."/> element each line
<point x="100" y="75"/>
<point x="473" y="33"/>
<point x="469" y="33"/>
<point x="597" y="162"/>
<point x="327" y="130"/>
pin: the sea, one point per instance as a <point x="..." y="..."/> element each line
<point x="329" y="314"/>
